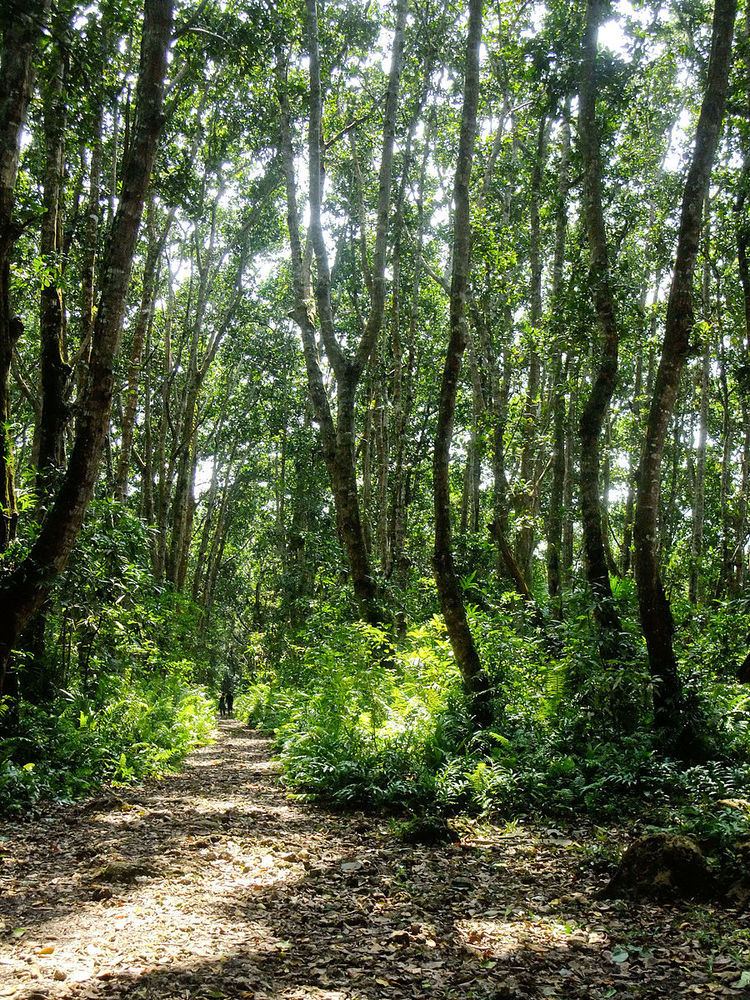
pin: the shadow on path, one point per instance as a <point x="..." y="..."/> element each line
<point x="238" y="892"/>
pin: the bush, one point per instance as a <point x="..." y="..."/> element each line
<point x="359" y="723"/>
<point x="125" y="732"/>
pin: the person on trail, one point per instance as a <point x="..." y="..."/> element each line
<point x="230" y="704"/>
<point x="222" y="706"/>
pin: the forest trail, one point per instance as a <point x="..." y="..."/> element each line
<point x="230" y="890"/>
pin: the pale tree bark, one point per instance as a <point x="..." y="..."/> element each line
<point x="144" y="317"/>
<point x="475" y="681"/>
<point x="655" y="611"/>
<point x="527" y="500"/>
<point x="25" y="588"/>
<point x="337" y="434"/>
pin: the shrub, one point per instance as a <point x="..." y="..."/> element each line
<point x="127" y="731"/>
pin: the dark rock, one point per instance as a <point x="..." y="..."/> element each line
<point x="663" y="866"/>
<point x="121" y="872"/>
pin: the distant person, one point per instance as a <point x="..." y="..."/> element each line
<point x="230" y="704"/>
<point x="222" y="706"/>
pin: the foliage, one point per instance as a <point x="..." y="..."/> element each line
<point x="122" y="732"/>
<point x="359" y="723"/>
<point x="125" y="669"/>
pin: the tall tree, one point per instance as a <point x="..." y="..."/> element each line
<point x="337" y="432"/>
<point x="24" y="589"/>
<point x="22" y="28"/>
<point x="655" y="610"/>
<point x="476" y="683"/>
<point x="594" y="413"/>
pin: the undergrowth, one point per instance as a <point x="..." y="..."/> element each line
<point x="358" y="723"/>
<point x="120" y="734"/>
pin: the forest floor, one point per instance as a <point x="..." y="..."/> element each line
<point x="212" y="883"/>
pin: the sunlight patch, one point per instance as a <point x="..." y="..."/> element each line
<point x="501" y="939"/>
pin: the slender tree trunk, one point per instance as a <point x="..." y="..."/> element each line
<point x="475" y="680"/>
<point x="181" y="513"/>
<point x="555" y="518"/>
<point x="655" y="611"/>
<point x="159" y="544"/>
<point x="383" y="450"/>
<point x="143" y="320"/>
<point x="474" y="464"/>
<point x="218" y="544"/>
<point x="606" y="526"/>
<point x="55" y="371"/>
<point x="366" y="453"/>
<point x="21" y="31"/>
<point x="597" y="404"/>
<point x="403" y="391"/>
<point x="527" y="498"/>
<point x="506" y="564"/>
<point x="699" y="488"/>
<point x="90" y="247"/>
<point x="567" y="555"/>
<point x="634" y="451"/>
<point x="724" y="582"/>
<point x="147" y="473"/>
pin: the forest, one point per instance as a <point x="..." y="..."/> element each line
<point x="381" y="369"/>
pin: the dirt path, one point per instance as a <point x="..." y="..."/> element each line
<point x="230" y="890"/>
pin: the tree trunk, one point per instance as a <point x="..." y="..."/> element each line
<point x="475" y="680"/>
<point x="596" y="406"/>
<point x="555" y="518"/>
<point x="527" y="498"/>
<point x="22" y="30"/>
<point x="142" y="322"/>
<point x="634" y="451"/>
<point x="699" y="491"/>
<point x="55" y="371"/>
<point x="337" y="437"/>
<point x="655" y="611"/>
<point x="566" y="560"/>
<point x="724" y="582"/>
<point x="38" y="682"/>
<point x="403" y="388"/>
<point x="23" y="591"/>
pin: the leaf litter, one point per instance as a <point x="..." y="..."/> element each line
<point x="213" y="884"/>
